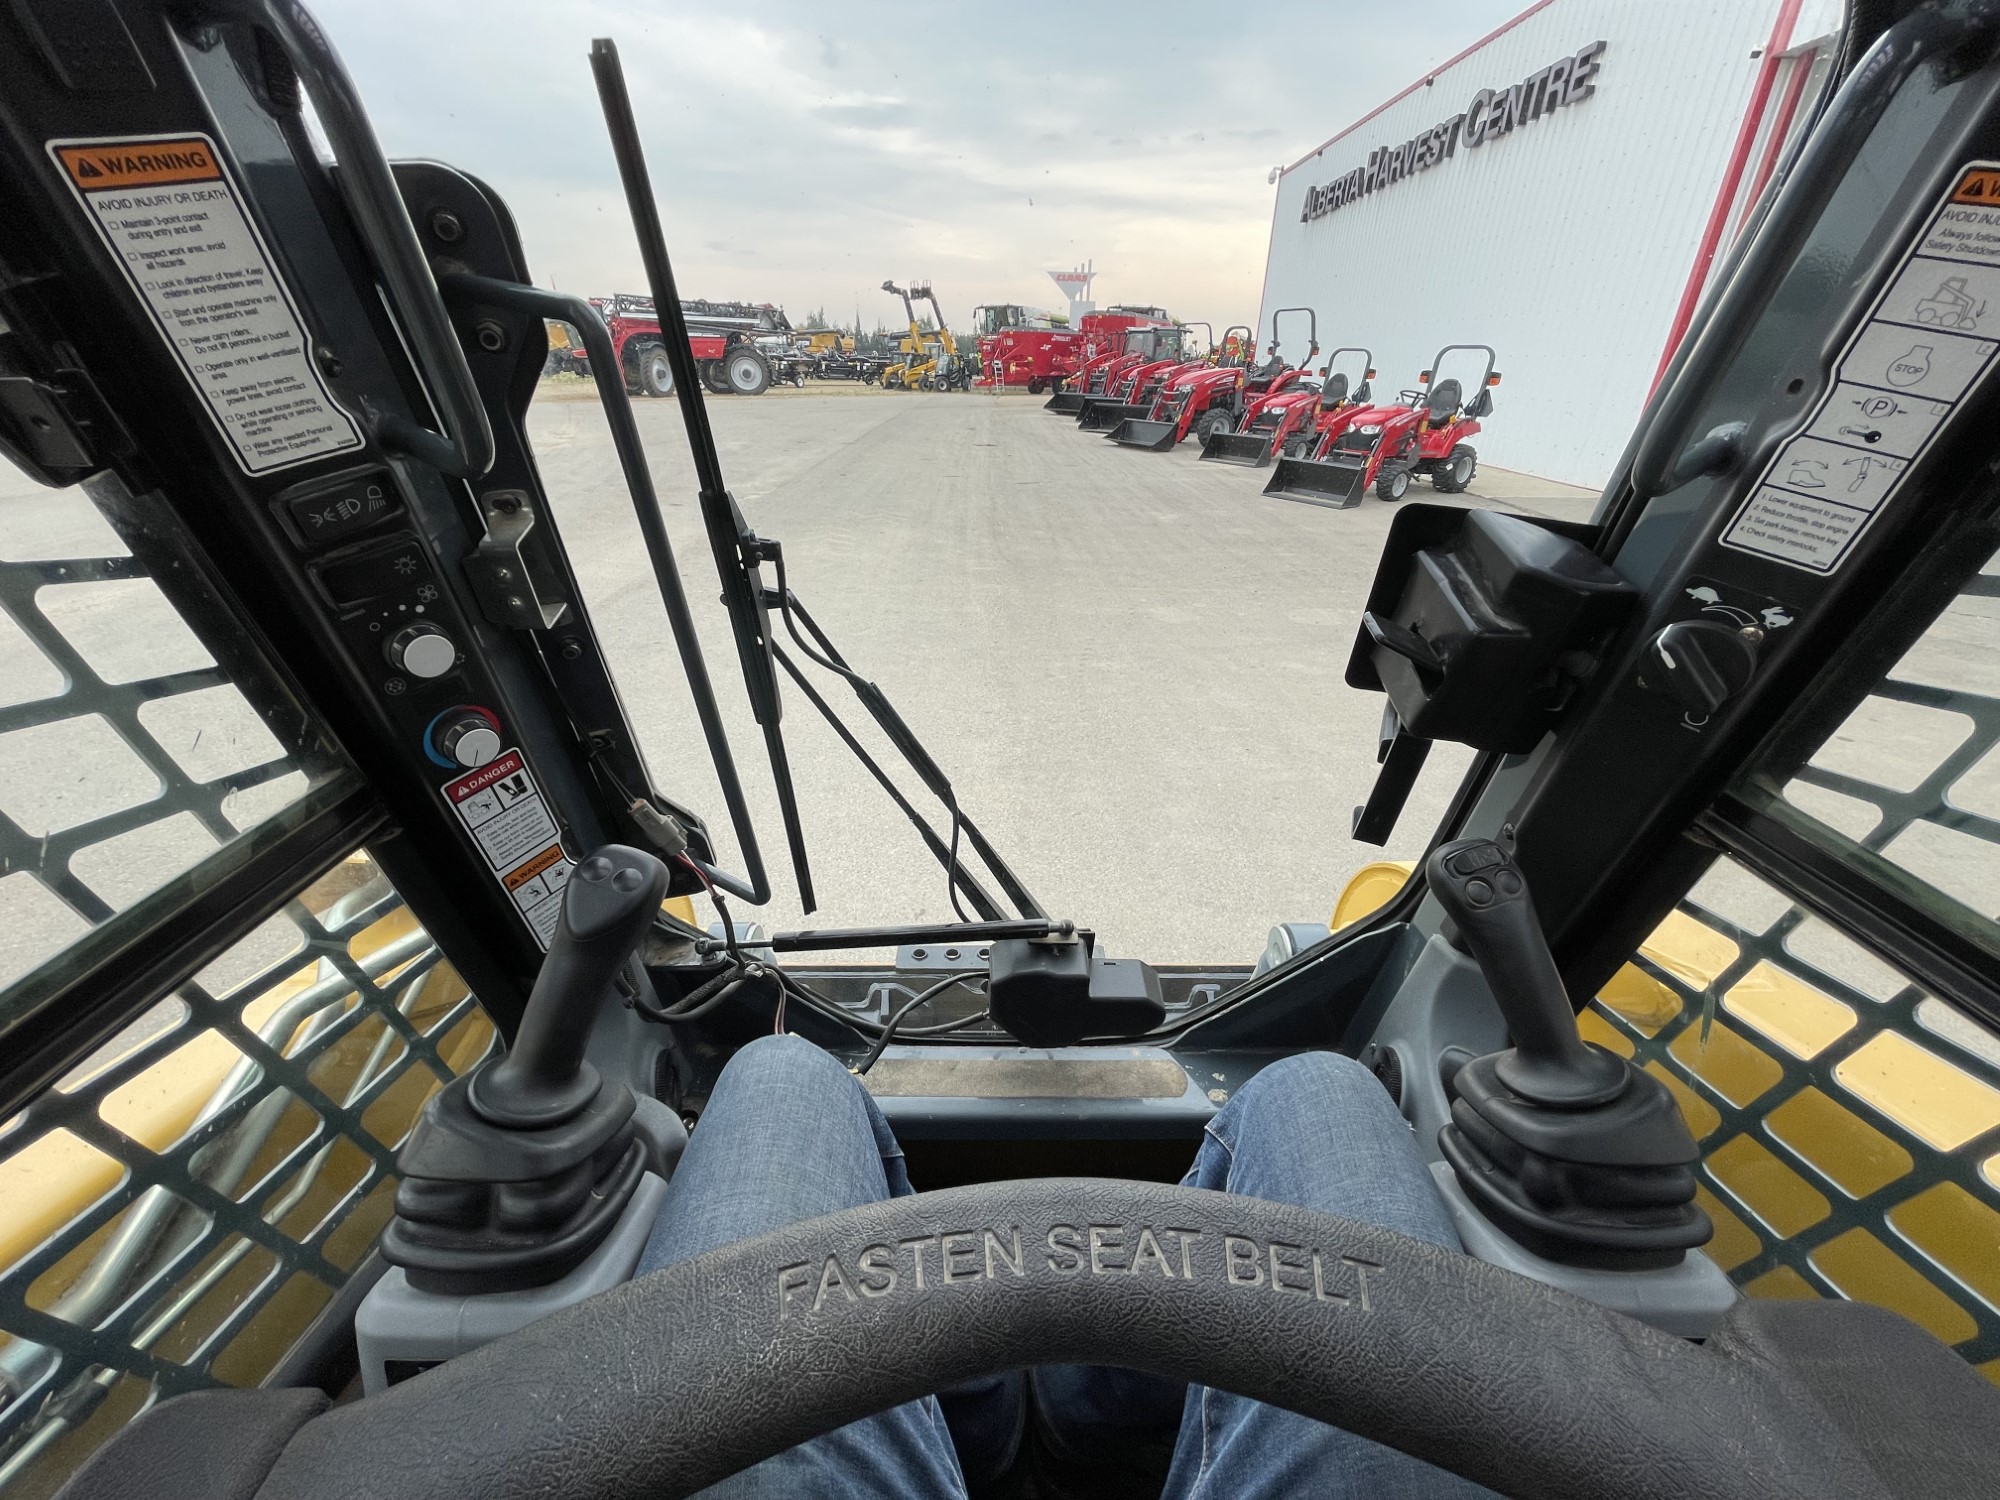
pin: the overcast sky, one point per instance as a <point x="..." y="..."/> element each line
<point x="804" y="150"/>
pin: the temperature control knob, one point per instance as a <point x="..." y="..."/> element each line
<point x="466" y="737"/>
<point x="421" y="651"/>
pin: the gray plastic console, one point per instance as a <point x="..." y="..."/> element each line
<point x="1444" y="1003"/>
<point x="400" y="1326"/>
<point x="1687" y="1300"/>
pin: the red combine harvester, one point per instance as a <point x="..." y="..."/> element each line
<point x="1131" y="392"/>
<point x="741" y="347"/>
<point x="1206" y="392"/>
<point x="1285" y="421"/>
<point x="1386" y="445"/>
<point x="1104" y="342"/>
<point x="1240" y="433"/>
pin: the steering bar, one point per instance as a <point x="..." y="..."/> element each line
<point x="683" y="1377"/>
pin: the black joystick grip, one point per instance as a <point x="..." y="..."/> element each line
<point x="1481" y="890"/>
<point x="612" y="898"/>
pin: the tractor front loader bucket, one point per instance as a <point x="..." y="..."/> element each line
<point x="1138" y="432"/>
<point x="1065" y="403"/>
<point x="1102" y="416"/>
<point x="1247" y="450"/>
<point x="1334" y="483"/>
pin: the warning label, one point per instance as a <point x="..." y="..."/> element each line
<point x="1931" y="336"/>
<point x="502" y="808"/>
<point x="166" y="207"/>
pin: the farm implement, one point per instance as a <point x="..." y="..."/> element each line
<point x="1386" y="445"/>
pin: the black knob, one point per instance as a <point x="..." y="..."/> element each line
<point x="467" y="737"/>
<point x="1701" y="664"/>
<point x="611" y="900"/>
<point x="1482" y="891"/>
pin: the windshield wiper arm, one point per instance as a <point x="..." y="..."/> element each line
<point x="729" y="536"/>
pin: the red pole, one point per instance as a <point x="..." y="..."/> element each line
<point x="1774" y="138"/>
<point x="1732" y="178"/>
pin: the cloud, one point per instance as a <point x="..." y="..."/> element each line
<point x="806" y="150"/>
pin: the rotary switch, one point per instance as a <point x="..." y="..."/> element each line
<point x="421" y="651"/>
<point x="464" y="736"/>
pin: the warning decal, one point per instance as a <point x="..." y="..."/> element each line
<point x="502" y="808"/>
<point x="167" y="209"/>
<point x="1932" y="335"/>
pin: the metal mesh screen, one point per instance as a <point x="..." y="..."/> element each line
<point x="186" y="1201"/>
<point x="175" y="1211"/>
<point x="1850" y="1122"/>
<point x="128" y="752"/>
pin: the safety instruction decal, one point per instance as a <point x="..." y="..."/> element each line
<point x="502" y="808"/>
<point x="1931" y="336"/>
<point x="166" y="207"/>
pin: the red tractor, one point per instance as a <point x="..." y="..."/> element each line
<point x="1131" y="393"/>
<point x="1104" y="342"/>
<point x="1101" y="379"/>
<point x="740" y="347"/>
<point x="1283" y="419"/>
<point x="1386" y="445"/>
<point x="1187" y="397"/>
<point x="1229" y="430"/>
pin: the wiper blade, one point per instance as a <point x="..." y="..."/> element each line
<point x="730" y="538"/>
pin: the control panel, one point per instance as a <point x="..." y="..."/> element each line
<point x="400" y="620"/>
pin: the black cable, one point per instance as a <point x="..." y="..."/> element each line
<point x="896" y="1019"/>
<point x="951" y="864"/>
<point x="724" y="985"/>
<point x="715" y="897"/>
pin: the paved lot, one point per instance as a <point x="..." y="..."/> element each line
<point x="1130" y="664"/>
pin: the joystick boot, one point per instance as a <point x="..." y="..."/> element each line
<point x="1573" y="1152"/>
<point x="518" y="1170"/>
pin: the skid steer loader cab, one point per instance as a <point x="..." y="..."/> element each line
<point x="356" y="1007"/>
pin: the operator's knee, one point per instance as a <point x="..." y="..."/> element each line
<point x="1315" y="1086"/>
<point x="784" y="1063"/>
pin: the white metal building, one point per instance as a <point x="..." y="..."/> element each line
<point x="1561" y="190"/>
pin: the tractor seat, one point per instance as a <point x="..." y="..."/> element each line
<point x="1444" y="401"/>
<point x="1333" y="392"/>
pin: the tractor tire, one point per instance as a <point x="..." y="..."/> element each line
<point x="656" y="371"/>
<point x="747" y="372"/>
<point x="713" y="377"/>
<point x="1215" y="419"/>
<point x="1035" y="386"/>
<point x="798" y="377"/>
<point x="1455" y="472"/>
<point x="1393" y="485"/>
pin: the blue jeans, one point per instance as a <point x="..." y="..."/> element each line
<point x="789" y="1134"/>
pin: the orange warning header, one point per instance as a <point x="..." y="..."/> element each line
<point x="519" y="876"/>
<point x="132" y="164"/>
<point x="1981" y="185"/>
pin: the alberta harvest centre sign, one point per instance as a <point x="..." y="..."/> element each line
<point x="1491" y="114"/>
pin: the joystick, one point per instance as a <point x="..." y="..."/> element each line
<point x="516" y="1172"/>
<point x="1568" y="1148"/>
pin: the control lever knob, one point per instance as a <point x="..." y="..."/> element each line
<point x="608" y="905"/>
<point x="1700" y="664"/>
<point x="1483" y="892"/>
